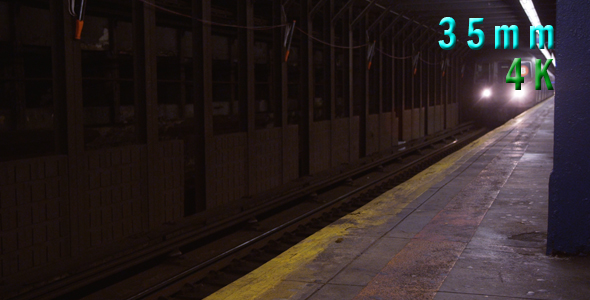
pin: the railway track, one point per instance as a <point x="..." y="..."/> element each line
<point x="203" y="267"/>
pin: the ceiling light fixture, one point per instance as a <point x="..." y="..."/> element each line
<point x="531" y="12"/>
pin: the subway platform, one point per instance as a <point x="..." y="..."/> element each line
<point x="472" y="226"/>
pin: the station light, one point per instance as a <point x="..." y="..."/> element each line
<point x="531" y="12"/>
<point x="486" y="93"/>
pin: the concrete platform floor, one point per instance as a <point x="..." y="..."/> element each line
<point x="472" y="226"/>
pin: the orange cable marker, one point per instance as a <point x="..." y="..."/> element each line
<point x="370" y="54"/>
<point x="79" y="25"/>
<point x="290" y="34"/>
<point x="80" y="21"/>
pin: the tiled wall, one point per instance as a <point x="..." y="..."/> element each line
<point x="319" y="143"/>
<point x="168" y="207"/>
<point x="115" y="202"/>
<point x="291" y="159"/>
<point x="372" y="134"/>
<point x="228" y="180"/>
<point x="340" y="141"/>
<point x="267" y="160"/>
<point x="33" y="212"/>
<point x="385" y="132"/>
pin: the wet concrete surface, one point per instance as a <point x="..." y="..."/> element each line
<point x="478" y="233"/>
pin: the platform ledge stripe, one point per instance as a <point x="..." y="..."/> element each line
<point x="259" y="283"/>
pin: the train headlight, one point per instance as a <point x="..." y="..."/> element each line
<point x="486" y="93"/>
<point x="518" y="94"/>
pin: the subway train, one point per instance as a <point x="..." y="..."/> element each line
<point x="495" y="101"/>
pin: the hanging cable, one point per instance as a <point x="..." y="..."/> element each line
<point x="394" y="57"/>
<point x="289" y="36"/>
<point x="72" y="7"/>
<point x="331" y="45"/>
<point x="427" y="62"/>
<point x="211" y="22"/>
<point x="370" y="55"/>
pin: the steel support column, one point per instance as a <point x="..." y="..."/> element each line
<point x="569" y="196"/>
<point x="67" y="95"/>
<point x="146" y="99"/>
<point x="202" y="100"/>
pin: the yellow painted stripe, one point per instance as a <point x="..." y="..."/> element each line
<point x="259" y="283"/>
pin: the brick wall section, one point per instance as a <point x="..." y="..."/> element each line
<point x="291" y="159"/>
<point x="372" y="134"/>
<point x="439" y="118"/>
<point x="456" y="115"/>
<point x="406" y="125"/>
<point x="267" y="160"/>
<point x="340" y="141"/>
<point x="386" y="134"/>
<point x="34" y="213"/>
<point x="112" y="207"/>
<point x="354" y="138"/>
<point x="415" y="123"/>
<point x="422" y="121"/>
<point x="394" y="131"/>
<point x="228" y="180"/>
<point x="319" y="142"/>
<point x="169" y="206"/>
<point x="431" y="120"/>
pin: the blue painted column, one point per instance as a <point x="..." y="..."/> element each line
<point x="569" y="185"/>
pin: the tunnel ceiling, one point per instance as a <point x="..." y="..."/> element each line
<point x="494" y="12"/>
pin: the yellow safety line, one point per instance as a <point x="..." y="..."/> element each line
<point x="259" y="283"/>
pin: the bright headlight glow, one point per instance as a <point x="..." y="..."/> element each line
<point x="518" y="94"/>
<point x="486" y="93"/>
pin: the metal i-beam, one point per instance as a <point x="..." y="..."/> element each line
<point x="362" y="14"/>
<point x="421" y="36"/>
<point x="342" y="10"/>
<point x="401" y="14"/>
<point x="386" y="30"/>
<point x="463" y="52"/>
<point x="378" y="20"/>
<point x="317" y="7"/>
<point x="430" y="36"/>
<point x="411" y="33"/>
<point x="402" y="30"/>
<point x="287" y="3"/>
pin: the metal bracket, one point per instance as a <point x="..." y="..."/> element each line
<point x="316" y="7"/>
<point x="386" y="30"/>
<point x="362" y="14"/>
<point x="342" y="10"/>
<point x="411" y="33"/>
<point x="434" y="44"/>
<point x="383" y="14"/>
<point x="429" y="40"/>
<point x="410" y="21"/>
<point x="424" y="33"/>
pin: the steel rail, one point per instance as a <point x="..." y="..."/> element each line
<point x="188" y="272"/>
